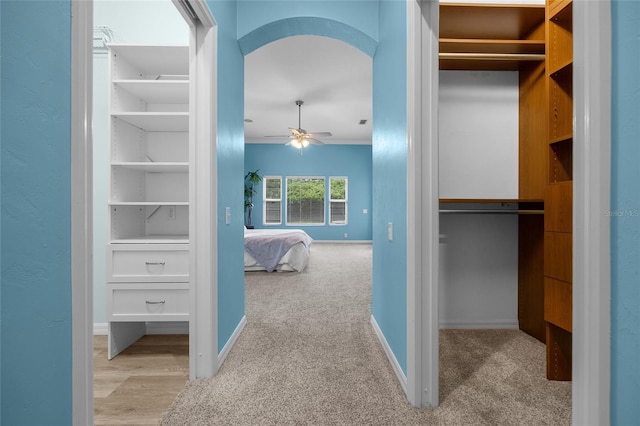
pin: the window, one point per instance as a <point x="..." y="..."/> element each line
<point x="338" y="190"/>
<point x="272" y="205"/>
<point x="305" y="201"/>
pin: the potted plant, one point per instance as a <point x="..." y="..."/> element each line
<point x="250" y="181"/>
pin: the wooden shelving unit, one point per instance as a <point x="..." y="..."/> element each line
<point x="558" y="274"/>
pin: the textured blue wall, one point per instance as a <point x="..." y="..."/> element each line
<point x="0" y="214"/>
<point x="352" y="161"/>
<point x="389" y="299"/>
<point x="230" y="161"/>
<point x="35" y="191"/>
<point x="361" y="15"/>
<point x="625" y="228"/>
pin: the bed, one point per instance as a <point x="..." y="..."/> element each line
<point x="276" y="250"/>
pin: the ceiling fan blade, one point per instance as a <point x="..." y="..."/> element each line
<point x="278" y="136"/>
<point x="298" y="132"/>
<point x="313" y="141"/>
<point x="314" y="134"/>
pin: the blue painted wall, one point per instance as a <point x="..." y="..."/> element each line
<point x="362" y="15"/>
<point x="230" y="161"/>
<point x="351" y="161"/>
<point x="0" y="215"/>
<point x="35" y="190"/>
<point x="389" y="298"/>
<point x="625" y="229"/>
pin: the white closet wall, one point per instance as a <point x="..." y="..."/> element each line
<point x="479" y="134"/>
<point x="478" y="270"/>
<point x="478" y="160"/>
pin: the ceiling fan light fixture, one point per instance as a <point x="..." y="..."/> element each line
<point x="299" y="137"/>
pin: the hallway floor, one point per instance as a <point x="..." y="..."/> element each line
<point x="138" y="386"/>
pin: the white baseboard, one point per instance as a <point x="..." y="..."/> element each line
<point x="402" y="378"/>
<point x="100" y="329"/>
<point x="232" y="341"/>
<point x="473" y="325"/>
<point x="181" y="327"/>
<point x="342" y="242"/>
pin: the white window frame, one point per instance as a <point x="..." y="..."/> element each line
<point x="337" y="200"/>
<point x="265" y="200"/>
<point x="286" y="201"/>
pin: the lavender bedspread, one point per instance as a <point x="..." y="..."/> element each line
<point x="267" y="250"/>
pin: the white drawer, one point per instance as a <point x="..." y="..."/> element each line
<point x="163" y="263"/>
<point x="155" y="302"/>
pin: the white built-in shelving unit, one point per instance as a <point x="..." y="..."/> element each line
<point x="148" y="249"/>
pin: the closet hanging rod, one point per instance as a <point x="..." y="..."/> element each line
<point x="489" y="211"/>
<point x="494" y="56"/>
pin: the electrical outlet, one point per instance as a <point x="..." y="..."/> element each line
<point x="390" y="231"/>
<point x="171" y="213"/>
<point x="346" y="235"/>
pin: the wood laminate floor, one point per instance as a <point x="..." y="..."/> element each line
<point x="140" y="384"/>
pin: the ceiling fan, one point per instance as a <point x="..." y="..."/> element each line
<point x="300" y="138"/>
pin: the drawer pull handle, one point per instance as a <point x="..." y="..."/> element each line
<point x="160" y="302"/>
<point x="154" y="263"/>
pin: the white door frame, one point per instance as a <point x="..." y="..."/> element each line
<point x="591" y="229"/>
<point x="591" y="198"/>
<point x="203" y="353"/>
<point x="203" y="172"/>
<point x="422" y="203"/>
<point x="82" y="211"/>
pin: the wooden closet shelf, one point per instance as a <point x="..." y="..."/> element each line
<point x="490" y="37"/>
<point x="484" y="64"/>
<point x="455" y="45"/>
<point x="562" y="138"/>
<point x="494" y="56"/>
<point x="564" y="70"/>
<point x="562" y="10"/>
<point x="489" y="21"/>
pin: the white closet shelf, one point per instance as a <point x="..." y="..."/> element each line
<point x="154" y="60"/>
<point x="156" y="121"/>
<point x="153" y="239"/>
<point x="157" y="91"/>
<point x="157" y="167"/>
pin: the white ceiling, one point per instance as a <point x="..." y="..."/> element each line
<point x="334" y="79"/>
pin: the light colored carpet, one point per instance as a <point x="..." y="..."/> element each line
<point x="308" y="356"/>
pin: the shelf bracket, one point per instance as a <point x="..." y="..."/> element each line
<point x="153" y="212"/>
